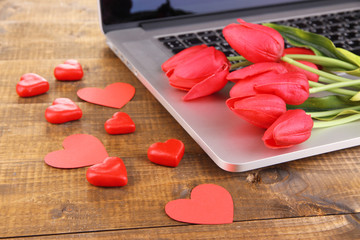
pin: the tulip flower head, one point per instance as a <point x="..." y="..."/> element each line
<point x="246" y="78"/>
<point x="260" y="110"/>
<point x="200" y="70"/>
<point x="255" y="42"/>
<point x="292" y="87"/>
<point x="291" y="128"/>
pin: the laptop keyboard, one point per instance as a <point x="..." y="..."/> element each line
<point x="342" y="28"/>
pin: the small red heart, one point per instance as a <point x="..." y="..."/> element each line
<point x="70" y="70"/>
<point x="168" y="153"/>
<point x="80" y="150"/>
<point x="110" y="173"/>
<point x="120" y="123"/>
<point x="31" y="84"/>
<point x="62" y="110"/>
<point x="115" y="95"/>
<point x="209" y="204"/>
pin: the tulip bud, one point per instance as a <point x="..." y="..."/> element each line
<point x="260" y="110"/>
<point x="291" y="128"/>
<point x="292" y="87"/>
<point x="256" y="43"/>
<point x="200" y="70"/>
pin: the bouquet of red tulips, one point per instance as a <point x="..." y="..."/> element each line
<point x="273" y="86"/>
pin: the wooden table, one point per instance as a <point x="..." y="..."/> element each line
<point x="312" y="198"/>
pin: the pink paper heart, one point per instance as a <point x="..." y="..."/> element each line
<point x="209" y="204"/>
<point x="80" y="150"/>
<point x="115" y="95"/>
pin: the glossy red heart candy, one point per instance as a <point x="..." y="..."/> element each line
<point x="168" y="153"/>
<point x="63" y="110"/>
<point x="115" y="95"/>
<point x="31" y="84"/>
<point x="110" y="173"/>
<point x="120" y="123"/>
<point x="80" y="150"/>
<point x="209" y="204"/>
<point x="70" y="70"/>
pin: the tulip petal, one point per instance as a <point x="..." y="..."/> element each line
<point x="179" y="57"/>
<point x="255" y="69"/>
<point x="260" y="110"/>
<point x="208" y="86"/>
<point x="291" y="128"/>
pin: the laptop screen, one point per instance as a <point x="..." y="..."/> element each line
<point x="129" y="13"/>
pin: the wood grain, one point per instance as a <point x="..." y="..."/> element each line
<point x="313" y="198"/>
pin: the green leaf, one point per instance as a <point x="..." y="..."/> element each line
<point x="355" y="59"/>
<point x="342" y="113"/>
<point x="330" y="102"/>
<point x="320" y="45"/>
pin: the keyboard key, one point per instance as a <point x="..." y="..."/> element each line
<point x="211" y="39"/>
<point x="167" y="38"/>
<point x="206" y="33"/>
<point x="187" y="35"/>
<point x="192" y="41"/>
<point x="174" y="44"/>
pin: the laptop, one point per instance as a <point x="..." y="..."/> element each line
<point x="144" y="34"/>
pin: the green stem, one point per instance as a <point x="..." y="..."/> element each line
<point x="323" y="124"/>
<point x="323" y="61"/>
<point x="239" y="64"/>
<point x="325" y="80"/>
<point x="316" y="85"/>
<point x="236" y="58"/>
<point x="330" y="86"/>
<point x="331" y="112"/>
<point x="313" y="70"/>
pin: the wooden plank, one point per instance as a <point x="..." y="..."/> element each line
<point x="344" y="227"/>
<point x="64" y="11"/>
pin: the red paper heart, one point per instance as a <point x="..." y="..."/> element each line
<point x="31" y="84"/>
<point x="168" y="153"/>
<point x="80" y="150"/>
<point x="70" y="70"/>
<point x="110" y="173"/>
<point x="120" y="123"/>
<point x="209" y="204"/>
<point x="115" y="95"/>
<point x="62" y="110"/>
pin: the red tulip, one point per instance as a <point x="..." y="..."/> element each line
<point x="291" y="128"/>
<point x="291" y="68"/>
<point x="257" y="43"/>
<point x="247" y="77"/>
<point x="261" y="110"/>
<point x="292" y="87"/>
<point x="200" y="70"/>
<point x="298" y="50"/>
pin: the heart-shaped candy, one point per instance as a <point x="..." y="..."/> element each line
<point x="31" y="84"/>
<point x="80" y="150"/>
<point x="120" y="123"/>
<point x="70" y="70"/>
<point x="209" y="204"/>
<point x="110" y="173"/>
<point x="62" y="110"/>
<point x="115" y="95"/>
<point x="168" y="153"/>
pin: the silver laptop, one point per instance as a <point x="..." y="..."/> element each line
<point x="145" y="33"/>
